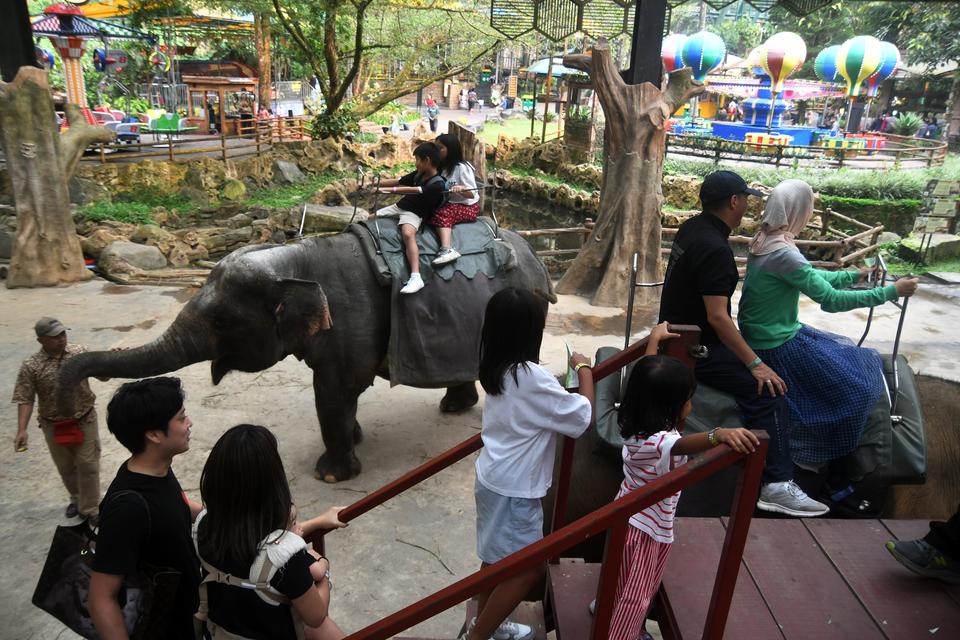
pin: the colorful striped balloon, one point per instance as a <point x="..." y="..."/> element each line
<point x="783" y="54"/>
<point x="888" y="64"/>
<point x="857" y="60"/>
<point x="826" y="64"/>
<point x="702" y="52"/>
<point x="671" y="51"/>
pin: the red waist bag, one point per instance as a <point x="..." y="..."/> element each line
<point x="67" y="433"/>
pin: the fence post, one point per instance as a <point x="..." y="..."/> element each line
<point x="716" y="156"/>
<point x="825" y="220"/>
<point x="103" y="158"/>
<point x="779" y="154"/>
<point x="840" y="154"/>
<point x="223" y="146"/>
<point x="170" y="146"/>
<point x="588" y="225"/>
<point x="744" y="501"/>
<point x="929" y="157"/>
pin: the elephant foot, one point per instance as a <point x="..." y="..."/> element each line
<point x="459" y="398"/>
<point x="331" y="469"/>
<point x="357" y="433"/>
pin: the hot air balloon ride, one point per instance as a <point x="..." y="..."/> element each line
<point x="890" y="60"/>
<point x="783" y="53"/>
<point x="825" y="64"/>
<point x="858" y="59"/>
<point x="671" y="51"/>
<point x="702" y="52"/>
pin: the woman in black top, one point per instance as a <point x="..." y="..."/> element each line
<point x="249" y="516"/>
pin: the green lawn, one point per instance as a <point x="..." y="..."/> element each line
<point x="518" y="128"/>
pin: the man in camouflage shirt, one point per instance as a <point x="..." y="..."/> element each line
<point x="79" y="464"/>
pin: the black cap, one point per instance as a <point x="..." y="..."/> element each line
<point x="720" y="185"/>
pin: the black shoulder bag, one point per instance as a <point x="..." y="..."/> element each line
<point x="146" y="599"/>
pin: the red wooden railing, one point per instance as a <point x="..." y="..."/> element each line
<point x="613" y="518"/>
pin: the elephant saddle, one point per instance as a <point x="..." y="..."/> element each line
<point x="434" y="333"/>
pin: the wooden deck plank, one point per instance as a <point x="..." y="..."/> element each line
<point x="911" y="530"/>
<point x="689" y="583"/>
<point x="572" y="586"/>
<point x="906" y="606"/>
<point x="804" y="592"/>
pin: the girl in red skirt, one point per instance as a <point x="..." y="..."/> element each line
<point x="657" y="399"/>
<point x="463" y="204"/>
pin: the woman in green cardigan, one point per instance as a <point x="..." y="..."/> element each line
<point x="832" y="384"/>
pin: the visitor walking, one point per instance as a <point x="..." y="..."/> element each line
<point x="433" y="113"/>
<point x="73" y="441"/>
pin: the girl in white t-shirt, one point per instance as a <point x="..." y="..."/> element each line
<point x="656" y="401"/>
<point x="524" y="411"/>
<point x="463" y="202"/>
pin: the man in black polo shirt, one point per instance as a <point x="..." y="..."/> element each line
<point x="145" y="517"/>
<point x="700" y="280"/>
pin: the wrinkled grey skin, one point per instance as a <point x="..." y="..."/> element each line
<point x="317" y="300"/>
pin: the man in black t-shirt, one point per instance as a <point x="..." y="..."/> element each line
<point x="701" y="279"/>
<point x="145" y="517"/>
<point x="423" y="192"/>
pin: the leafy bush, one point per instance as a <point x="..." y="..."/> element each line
<point x="130" y="212"/>
<point x="337" y="124"/>
<point x="907" y="124"/>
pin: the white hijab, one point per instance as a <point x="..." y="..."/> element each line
<point x="789" y="209"/>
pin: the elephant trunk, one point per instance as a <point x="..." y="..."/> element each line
<point x="186" y="341"/>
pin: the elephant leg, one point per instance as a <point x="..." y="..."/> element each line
<point x="337" y="412"/>
<point x="357" y="433"/>
<point x="458" y="398"/>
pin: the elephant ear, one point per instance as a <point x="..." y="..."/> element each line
<point x="302" y="312"/>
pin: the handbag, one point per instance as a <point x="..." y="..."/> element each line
<point x="146" y="599"/>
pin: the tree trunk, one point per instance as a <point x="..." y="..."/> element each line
<point x="630" y="195"/>
<point x="46" y="251"/>
<point x="261" y="29"/>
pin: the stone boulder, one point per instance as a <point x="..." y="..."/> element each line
<point x="182" y="254"/>
<point x="239" y="220"/>
<point x="86" y="191"/>
<point x="99" y="239"/>
<point x="122" y="256"/>
<point x="233" y="189"/>
<point x="681" y="192"/>
<point x="332" y="195"/>
<point x="286" y="172"/>
<point x="321" y="218"/>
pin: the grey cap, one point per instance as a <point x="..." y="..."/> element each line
<point x="48" y="327"/>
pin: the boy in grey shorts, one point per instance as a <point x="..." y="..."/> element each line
<point x="423" y="192"/>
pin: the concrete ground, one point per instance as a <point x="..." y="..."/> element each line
<point x="389" y="558"/>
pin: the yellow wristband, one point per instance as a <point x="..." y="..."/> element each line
<point x="581" y="365"/>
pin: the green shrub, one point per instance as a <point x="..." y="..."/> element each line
<point x="337" y="124"/>
<point x="907" y="124"/>
<point x="129" y="212"/>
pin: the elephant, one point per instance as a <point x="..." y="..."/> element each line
<point x="318" y="299"/>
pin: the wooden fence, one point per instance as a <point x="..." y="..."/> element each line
<point x="900" y="151"/>
<point x="254" y="137"/>
<point x="843" y="248"/>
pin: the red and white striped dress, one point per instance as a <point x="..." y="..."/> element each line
<point x="649" y="536"/>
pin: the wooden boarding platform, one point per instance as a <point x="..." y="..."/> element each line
<point x="799" y="579"/>
<point x="809" y="579"/>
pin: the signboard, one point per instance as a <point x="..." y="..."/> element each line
<point x="512" y="87"/>
<point x="939" y="211"/>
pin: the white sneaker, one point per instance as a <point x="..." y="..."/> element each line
<point x="447" y="254"/>
<point x="414" y="284"/>
<point x="787" y="497"/>
<point x="510" y="630"/>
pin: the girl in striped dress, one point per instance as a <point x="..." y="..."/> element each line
<point x="657" y="399"/>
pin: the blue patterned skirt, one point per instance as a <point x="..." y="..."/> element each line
<point x="832" y="386"/>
